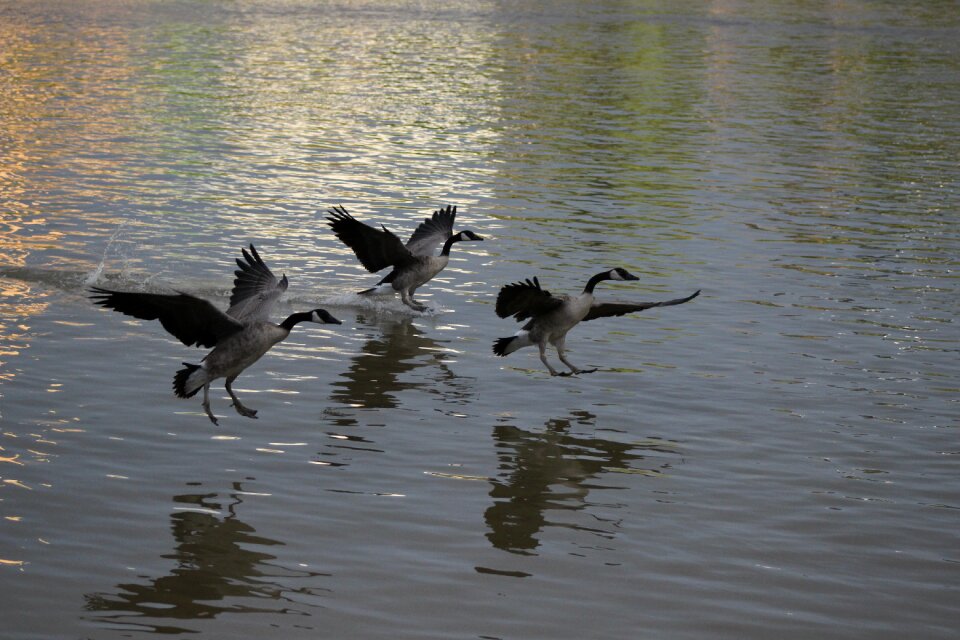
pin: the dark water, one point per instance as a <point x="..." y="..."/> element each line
<point x="777" y="458"/>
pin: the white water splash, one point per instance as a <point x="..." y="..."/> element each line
<point x="94" y="275"/>
<point x="379" y="304"/>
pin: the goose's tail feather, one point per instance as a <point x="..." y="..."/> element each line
<point x="381" y="289"/>
<point x="189" y="380"/>
<point x="500" y="345"/>
<point x="505" y="346"/>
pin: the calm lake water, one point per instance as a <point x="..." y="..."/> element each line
<point x="776" y="459"/>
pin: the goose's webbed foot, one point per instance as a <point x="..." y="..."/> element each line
<point x="574" y="369"/>
<point x="213" y="418"/>
<point x="246" y="412"/>
<point x="406" y="298"/>
<point x="242" y="410"/>
<point x="575" y="372"/>
<point x="416" y="306"/>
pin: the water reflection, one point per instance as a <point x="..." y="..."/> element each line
<point x="395" y="348"/>
<point x="219" y="561"/>
<point x="606" y="78"/>
<point x="18" y="304"/>
<point x="552" y="469"/>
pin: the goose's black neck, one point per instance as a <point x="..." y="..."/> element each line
<point x="592" y="282"/>
<point x="449" y="243"/>
<point x="295" y="319"/>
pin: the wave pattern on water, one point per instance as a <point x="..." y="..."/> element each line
<point x="779" y="455"/>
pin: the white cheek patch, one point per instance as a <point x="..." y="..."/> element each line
<point x="615" y="275"/>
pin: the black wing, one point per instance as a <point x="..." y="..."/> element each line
<point x="607" y="309"/>
<point x="255" y="289"/>
<point x="191" y="320"/>
<point x="432" y="232"/>
<point x="524" y="300"/>
<point x="375" y="248"/>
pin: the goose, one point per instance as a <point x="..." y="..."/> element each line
<point x="413" y="263"/>
<point x="551" y="317"/>
<point x="239" y="337"/>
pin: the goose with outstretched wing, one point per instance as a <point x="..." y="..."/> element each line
<point x="552" y="316"/>
<point x="413" y="264"/>
<point x="239" y="337"/>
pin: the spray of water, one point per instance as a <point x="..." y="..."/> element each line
<point x="385" y="305"/>
<point x="94" y="275"/>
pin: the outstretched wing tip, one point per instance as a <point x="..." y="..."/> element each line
<point x="192" y="320"/>
<point x="610" y="309"/>
<point x="433" y="231"/>
<point x="255" y="288"/>
<point x="337" y="215"/>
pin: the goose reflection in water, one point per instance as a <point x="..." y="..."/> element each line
<point x="552" y="470"/>
<point x="376" y="375"/>
<point x="219" y="564"/>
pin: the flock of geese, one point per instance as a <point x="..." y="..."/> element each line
<point x="243" y="333"/>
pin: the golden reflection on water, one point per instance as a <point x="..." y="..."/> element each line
<point x="37" y="129"/>
<point x="18" y="302"/>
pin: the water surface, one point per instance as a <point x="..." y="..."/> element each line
<point x="778" y="458"/>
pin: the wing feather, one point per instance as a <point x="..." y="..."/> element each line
<point x="375" y="248"/>
<point x="525" y="299"/>
<point x="608" y="309"/>
<point x="432" y="232"/>
<point x="191" y="320"/>
<point x="255" y="288"/>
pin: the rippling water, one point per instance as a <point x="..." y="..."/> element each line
<point x="777" y="458"/>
